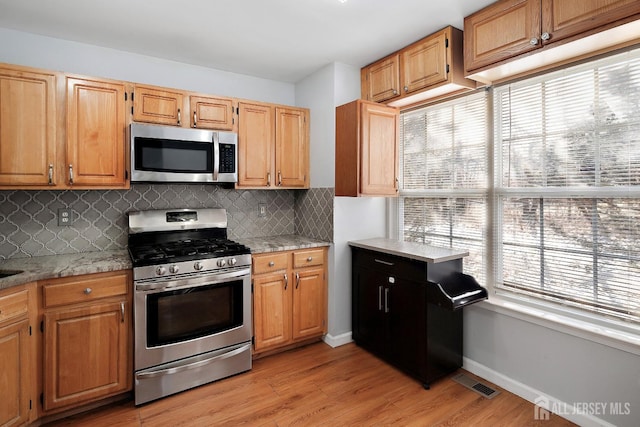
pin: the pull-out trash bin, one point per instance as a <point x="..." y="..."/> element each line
<point x="455" y="291"/>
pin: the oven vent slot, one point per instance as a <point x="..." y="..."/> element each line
<point x="480" y="388"/>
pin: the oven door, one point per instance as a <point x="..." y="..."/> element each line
<point x="184" y="317"/>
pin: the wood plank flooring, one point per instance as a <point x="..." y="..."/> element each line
<point x="321" y="386"/>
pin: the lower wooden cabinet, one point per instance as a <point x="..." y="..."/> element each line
<point x="16" y="381"/>
<point x="87" y="339"/>
<point x="289" y="298"/>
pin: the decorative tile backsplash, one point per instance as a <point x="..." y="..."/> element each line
<point x="29" y="219"/>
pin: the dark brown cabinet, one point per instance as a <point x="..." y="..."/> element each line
<point x="392" y="318"/>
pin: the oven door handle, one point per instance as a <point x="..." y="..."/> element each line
<point x="199" y="364"/>
<point x="179" y="283"/>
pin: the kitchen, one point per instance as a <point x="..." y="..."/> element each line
<point x="502" y="346"/>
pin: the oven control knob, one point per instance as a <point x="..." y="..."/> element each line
<point x="161" y="271"/>
<point x="232" y="261"/>
<point x="174" y="269"/>
<point x="198" y="266"/>
<point x="221" y="263"/>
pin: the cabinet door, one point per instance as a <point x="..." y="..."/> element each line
<point x="86" y="354"/>
<point x="96" y="133"/>
<point x="407" y="325"/>
<point x="14" y="374"/>
<point x="501" y="31"/>
<point x="255" y="145"/>
<point x="309" y="303"/>
<point x="157" y="105"/>
<point x="271" y="310"/>
<point x="566" y="18"/>
<point x="379" y="144"/>
<point x="27" y="128"/>
<point x="369" y="322"/>
<point x="425" y="63"/>
<point x="292" y="148"/>
<point x="381" y="80"/>
<point x="211" y="113"/>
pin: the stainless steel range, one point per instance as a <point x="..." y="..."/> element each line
<point x="192" y="300"/>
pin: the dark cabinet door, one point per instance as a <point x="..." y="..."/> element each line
<point x="369" y="329"/>
<point x="407" y="326"/>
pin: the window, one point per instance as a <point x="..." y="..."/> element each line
<point x="567" y="180"/>
<point x="444" y="180"/>
<point x="558" y="177"/>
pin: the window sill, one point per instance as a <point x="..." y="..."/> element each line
<point x="616" y="334"/>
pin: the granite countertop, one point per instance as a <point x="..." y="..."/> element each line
<point x="52" y="266"/>
<point x="417" y="251"/>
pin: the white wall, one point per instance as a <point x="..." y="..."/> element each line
<point x="61" y="55"/>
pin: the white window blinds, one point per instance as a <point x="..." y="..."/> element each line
<point x="567" y="180"/>
<point x="444" y="177"/>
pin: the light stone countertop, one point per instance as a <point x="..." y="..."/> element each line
<point x="417" y="251"/>
<point x="52" y="266"/>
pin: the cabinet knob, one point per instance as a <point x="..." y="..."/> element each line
<point x="545" y="36"/>
<point x="71" y="174"/>
<point x="406" y="88"/>
<point x="50" y="173"/>
<point x="179" y="118"/>
<point x="195" y="120"/>
<point x="309" y="259"/>
<point x="533" y="41"/>
<point x="271" y="263"/>
<point x="87" y="291"/>
<point x="395" y="92"/>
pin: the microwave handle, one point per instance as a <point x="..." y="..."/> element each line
<point x="216" y="156"/>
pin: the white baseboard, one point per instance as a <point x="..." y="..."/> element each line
<point x="338" y="340"/>
<point x="542" y="401"/>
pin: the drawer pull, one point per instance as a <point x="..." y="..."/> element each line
<point x="121" y="312"/>
<point x="310" y="259"/>
<point x="87" y="291"/>
<point x="286" y="281"/>
<point x="271" y="263"/>
<point x="383" y="262"/>
<point x="297" y="280"/>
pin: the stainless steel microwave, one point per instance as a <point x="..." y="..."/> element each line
<point x="172" y="154"/>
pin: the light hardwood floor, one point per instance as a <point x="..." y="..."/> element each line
<point x="322" y="386"/>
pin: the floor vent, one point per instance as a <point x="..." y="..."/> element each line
<point x="478" y="387"/>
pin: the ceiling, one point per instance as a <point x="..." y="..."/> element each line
<point x="283" y="40"/>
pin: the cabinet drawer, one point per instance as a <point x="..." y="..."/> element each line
<point x="308" y="258"/>
<point x="84" y="288"/>
<point x="14" y="305"/>
<point x="270" y="262"/>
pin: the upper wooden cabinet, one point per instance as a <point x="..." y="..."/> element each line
<point x="428" y="68"/>
<point x="158" y="105"/>
<point x="541" y="33"/>
<point x="273" y="146"/>
<point x="28" y="145"/>
<point x="207" y="112"/>
<point x="96" y="134"/>
<point x="292" y="147"/>
<point x="366" y="149"/>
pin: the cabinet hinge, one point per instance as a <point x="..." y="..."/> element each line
<point x="446" y="43"/>
<point x="42" y="326"/>
<point x="42" y="399"/>
<point x="132" y="110"/>
<point x="253" y="340"/>
<point x="131" y="95"/>
<point x="30" y="404"/>
<point x="126" y="175"/>
<point x="125" y="96"/>
<point x="30" y="330"/>
<point x="447" y="68"/>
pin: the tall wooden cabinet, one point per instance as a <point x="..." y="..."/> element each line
<point x="16" y="363"/>
<point x="28" y="145"/>
<point x="289" y="298"/>
<point x="273" y="146"/>
<point x="510" y="29"/>
<point x="96" y="133"/>
<point x="366" y="149"/>
<point x="87" y="339"/>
